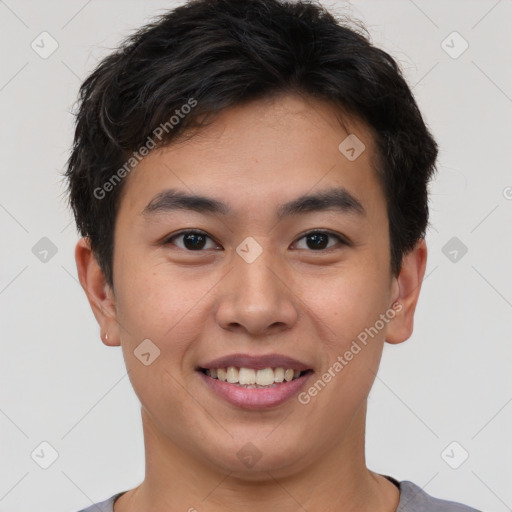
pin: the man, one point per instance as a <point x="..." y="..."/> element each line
<point x="250" y="182"/>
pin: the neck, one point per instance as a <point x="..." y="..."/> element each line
<point x="338" y="481"/>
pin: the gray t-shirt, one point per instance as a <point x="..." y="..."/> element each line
<point x="412" y="499"/>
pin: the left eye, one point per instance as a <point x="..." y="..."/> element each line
<point x="197" y="240"/>
<point x="317" y="240"/>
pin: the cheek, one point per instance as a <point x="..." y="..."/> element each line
<point x="348" y="308"/>
<point x="157" y="306"/>
<point x="348" y="303"/>
<point x="164" y="305"/>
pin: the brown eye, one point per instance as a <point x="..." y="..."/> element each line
<point x="191" y="240"/>
<point x="319" y="240"/>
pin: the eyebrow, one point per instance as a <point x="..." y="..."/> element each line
<point x="337" y="199"/>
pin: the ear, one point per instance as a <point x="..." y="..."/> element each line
<point x="99" y="294"/>
<point x="406" y="291"/>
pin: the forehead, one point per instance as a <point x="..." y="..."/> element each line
<point x="260" y="155"/>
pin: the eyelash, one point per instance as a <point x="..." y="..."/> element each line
<point x="340" y="239"/>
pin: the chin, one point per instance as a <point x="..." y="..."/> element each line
<point x="254" y="463"/>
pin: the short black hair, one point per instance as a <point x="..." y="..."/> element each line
<point x="215" y="54"/>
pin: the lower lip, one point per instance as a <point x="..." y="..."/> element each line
<point x="255" y="398"/>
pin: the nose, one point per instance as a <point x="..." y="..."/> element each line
<point x="257" y="298"/>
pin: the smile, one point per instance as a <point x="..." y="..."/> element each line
<point x="252" y="378"/>
<point x="254" y="389"/>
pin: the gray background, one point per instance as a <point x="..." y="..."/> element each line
<point x="449" y="383"/>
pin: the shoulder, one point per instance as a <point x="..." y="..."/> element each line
<point x="412" y="499"/>
<point x="415" y="499"/>
<point x="103" y="506"/>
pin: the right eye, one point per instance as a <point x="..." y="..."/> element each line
<point x="192" y="240"/>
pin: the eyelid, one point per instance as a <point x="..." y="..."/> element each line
<point x="341" y="238"/>
<point x="167" y="239"/>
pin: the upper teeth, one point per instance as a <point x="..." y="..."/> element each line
<point x="247" y="376"/>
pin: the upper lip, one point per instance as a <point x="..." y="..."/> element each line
<point x="257" y="362"/>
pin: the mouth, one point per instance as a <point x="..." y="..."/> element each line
<point x="254" y="382"/>
<point x="251" y="378"/>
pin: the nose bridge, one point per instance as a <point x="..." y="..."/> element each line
<point x="258" y="277"/>
<point x="255" y="295"/>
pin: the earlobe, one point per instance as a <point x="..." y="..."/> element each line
<point x="406" y="291"/>
<point x="98" y="292"/>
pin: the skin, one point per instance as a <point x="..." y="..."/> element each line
<point x="292" y="300"/>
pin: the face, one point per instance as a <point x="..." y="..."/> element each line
<point x="258" y="277"/>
